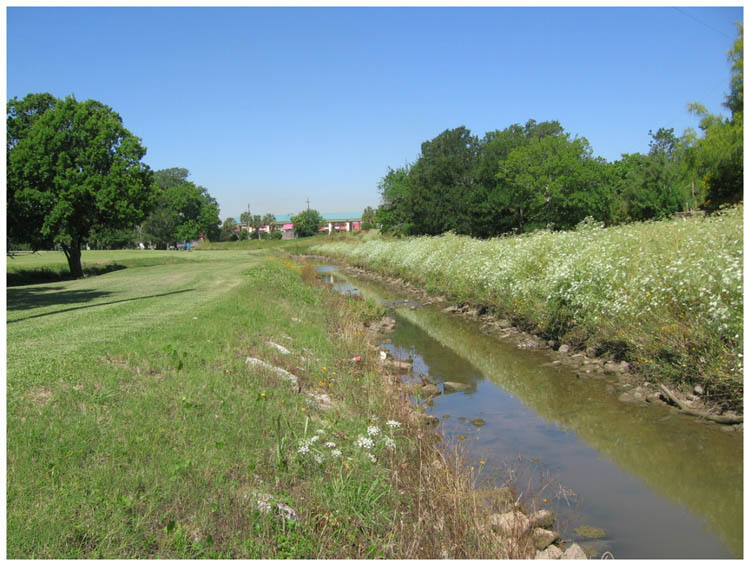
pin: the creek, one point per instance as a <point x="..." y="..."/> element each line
<point x="660" y="483"/>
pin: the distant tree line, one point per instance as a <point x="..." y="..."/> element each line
<point x="537" y="175"/>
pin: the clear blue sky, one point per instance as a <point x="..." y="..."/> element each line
<point x="269" y="106"/>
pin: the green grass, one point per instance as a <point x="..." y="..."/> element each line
<point x="50" y="266"/>
<point x="666" y="296"/>
<point x="135" y="429"/>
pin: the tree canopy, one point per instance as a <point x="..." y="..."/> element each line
<point x="307" y="223"/>
<point x="72" y="166"/>
<point x="184" y="210"/>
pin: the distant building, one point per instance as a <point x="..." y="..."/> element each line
<point x="334" y="221"/>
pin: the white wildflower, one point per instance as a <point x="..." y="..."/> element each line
<point x="365" y="442"/>
<point x="330" y="445"/>
<point x="393" y="424"/>
<point x="318" y="458"/>
<point x="373" y="430"/>
<point x="372" y="458"/>
<point x="303" y="449"/>
<point x="389" y="443"/>
<point x="336" y="453"/>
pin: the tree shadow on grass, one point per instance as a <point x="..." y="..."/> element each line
<point x="47" y="275"/>
<point x="35" y="298"/>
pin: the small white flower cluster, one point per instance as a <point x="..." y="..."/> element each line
<point x="306" y="444"/>
<point x="376" y="438"/>
<point x="365" y="442"/>
<point x="317" y="448"/>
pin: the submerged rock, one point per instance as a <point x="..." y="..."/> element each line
<point x="529" y="343"/>
<point x="429" y="390"/>
<point x="453" y="386"/>
<point x="587" y="531"/>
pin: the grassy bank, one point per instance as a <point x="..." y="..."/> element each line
<point x="136" y="429"/>
<point x="665" y="296"/>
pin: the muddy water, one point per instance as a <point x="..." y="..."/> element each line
<point x="662" y="485"/>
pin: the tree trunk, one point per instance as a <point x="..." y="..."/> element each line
<point x="73" y="255"/>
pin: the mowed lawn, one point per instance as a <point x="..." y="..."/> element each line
<point x="108" y="402"/>
<point x="56" y="324"/>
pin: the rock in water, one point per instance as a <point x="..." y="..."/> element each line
<point x="452" y="386"/>
<point x="587" y="531"/>
<point x="543" y="538"/>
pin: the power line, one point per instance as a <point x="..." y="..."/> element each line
<point x="684" y="13"/>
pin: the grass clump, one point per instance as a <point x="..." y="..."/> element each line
<point x="665" y="296"/>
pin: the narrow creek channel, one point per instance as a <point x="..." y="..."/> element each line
<point x="661" y="484"/>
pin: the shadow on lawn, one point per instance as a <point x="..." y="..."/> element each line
<point x="46" y="275"/>
<point x="22" y="299"/>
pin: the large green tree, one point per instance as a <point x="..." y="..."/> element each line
<point x="489" y="209"/>
<point x="184" y="211"/>
<point x="441" y="182"/>
<point x="656" y="184"/>
<point x="553" y="182"/>
<point x="307" y="223"/>
<point x="71" y="166"/>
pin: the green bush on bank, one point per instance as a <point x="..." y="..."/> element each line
<point x="665" y="296"/>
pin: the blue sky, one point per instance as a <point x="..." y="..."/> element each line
<point x="270" y="106"/>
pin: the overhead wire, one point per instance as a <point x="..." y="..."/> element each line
<point x="684" y="13"/>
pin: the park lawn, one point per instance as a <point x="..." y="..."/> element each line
<point x="136" y="429"/>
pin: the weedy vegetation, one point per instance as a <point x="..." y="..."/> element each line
<point x="664" y="295"/>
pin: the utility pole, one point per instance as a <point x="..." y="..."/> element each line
<point x="248" y="221"/>
<point x="308" y="203"/>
